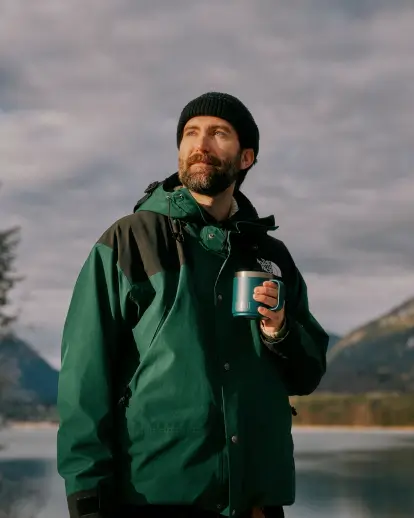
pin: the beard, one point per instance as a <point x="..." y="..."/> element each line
<point x="210" y="176"/>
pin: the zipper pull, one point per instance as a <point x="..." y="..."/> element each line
<point x="124" y="400"/>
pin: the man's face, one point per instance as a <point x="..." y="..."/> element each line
<point x="209" y="158"/>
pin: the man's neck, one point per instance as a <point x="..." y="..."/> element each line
<point x="218" y="206"/>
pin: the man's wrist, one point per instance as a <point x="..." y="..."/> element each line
<point x="275" y="336"/>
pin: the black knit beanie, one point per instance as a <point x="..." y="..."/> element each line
<point x="226" y="107"/>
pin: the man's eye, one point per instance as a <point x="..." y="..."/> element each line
<point x="189" y="133"/>
<point x="220" y="133"/>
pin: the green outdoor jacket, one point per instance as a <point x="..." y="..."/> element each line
<point x="165" y="397"/>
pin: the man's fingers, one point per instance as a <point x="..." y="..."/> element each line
<point x="269" y="301"/>
<point x="269" y="314"/>
<point x="263" y="290"/>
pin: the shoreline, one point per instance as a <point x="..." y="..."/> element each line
<point x="32" y="425"/>
<point x="352" y="428"/>
<point x="47" y="425"/>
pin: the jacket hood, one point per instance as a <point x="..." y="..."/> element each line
<point x="170" y="199"/>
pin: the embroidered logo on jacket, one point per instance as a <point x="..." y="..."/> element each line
<point x="270" y="267"/>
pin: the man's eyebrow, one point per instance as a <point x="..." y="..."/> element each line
<point x="212" y="127"/>
<point x="187" y="128"/>
<point x="220" y="126"/>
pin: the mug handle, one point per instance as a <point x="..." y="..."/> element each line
<point x="280" y="295"/>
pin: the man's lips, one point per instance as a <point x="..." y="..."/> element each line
<point x="203" y="159"/>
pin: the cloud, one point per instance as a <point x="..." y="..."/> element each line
<point x="90" y="96"/>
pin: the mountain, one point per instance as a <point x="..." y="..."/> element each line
<point x="378" y="356"/>
<point x="33" y="379"/>
<point x="333" y="339"/>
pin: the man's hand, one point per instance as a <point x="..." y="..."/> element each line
<point x="267" y="294"/>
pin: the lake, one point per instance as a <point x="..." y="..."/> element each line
<point x="340" y="473"/>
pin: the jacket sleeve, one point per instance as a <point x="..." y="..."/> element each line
<point x="301" y="354"/>
<point x="85" y="397"/>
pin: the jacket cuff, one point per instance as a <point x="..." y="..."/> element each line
<point x="277" y="344"/>
<point x="89" y="504"/>
<point x="291" y="346"/>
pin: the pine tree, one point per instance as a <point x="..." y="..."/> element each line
<point x="9" y="239"/>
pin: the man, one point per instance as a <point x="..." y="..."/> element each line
<point x="169" y="405"/>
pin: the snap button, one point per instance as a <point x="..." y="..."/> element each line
<point x="227" y="366"/>
<point x="219" y="297"/>
<point x="235" y="439"/>
<point x="211" y="236"/>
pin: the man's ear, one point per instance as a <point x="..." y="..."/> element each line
<point x="247" y="158"/>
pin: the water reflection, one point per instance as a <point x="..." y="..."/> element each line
<point x="339" y="475"/>
<point x="23" y="491"/>
<point x="353" y="483"/>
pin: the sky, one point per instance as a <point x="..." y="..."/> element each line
<point x="90" y="95"/>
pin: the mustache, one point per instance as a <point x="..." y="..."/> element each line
<point x="204" y="159"/>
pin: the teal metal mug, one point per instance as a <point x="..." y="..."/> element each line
<point x="244" y="283"/>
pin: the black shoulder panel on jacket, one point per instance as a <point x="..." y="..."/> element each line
<point x="143" y="244"/>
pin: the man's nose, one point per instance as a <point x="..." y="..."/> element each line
<point x="202" y="144"/>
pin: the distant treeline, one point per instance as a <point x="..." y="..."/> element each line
<point x="27" y="412"/>
<point x="370" y="409"/>
<point x="319" y="409"/>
